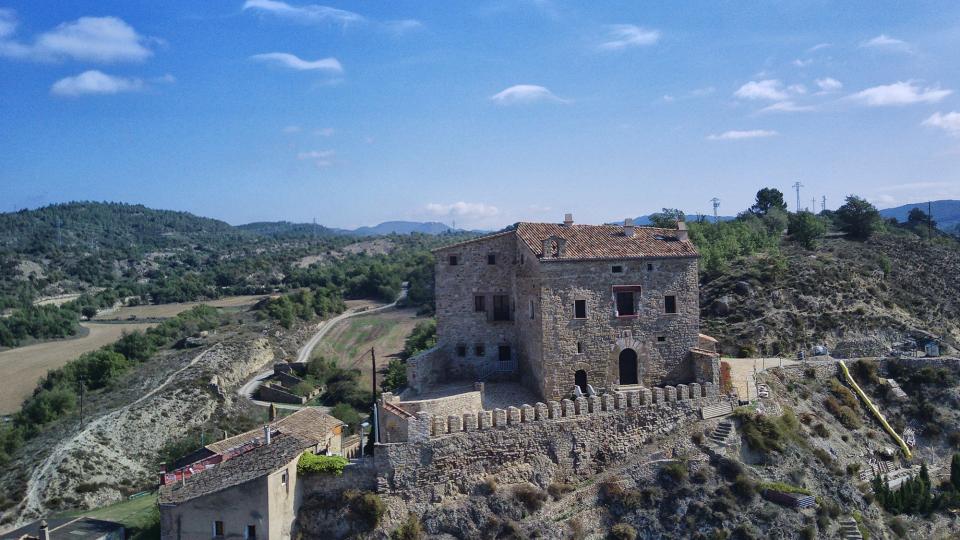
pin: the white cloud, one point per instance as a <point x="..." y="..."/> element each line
<point x="621" y="36"/>
<point x="292" y="129"/>
<point x="293" y="62"/>
<point x="701" y="92"/>
<point x="166" y="78"/>
<point x="737" y="135"/>
<point x="310" y="14"/>
<point x="770" y="89"/>
<point x="320" y="158"/>
<point x="324" y="132"/>
<point x="885" y="42"/>
<point x="802" y="63"/>
<point x="93" y="39"/>
<point x="525" y="93"/>
<point x="829" y="84"/>
<point x="900" y="93"/>
<point x="786" y="106"/>
<point x="95" y="82"/>
<point x="403" y="26"/>
<point x="949" y="122"/>
<point x="818" y="46"/>
<point x="474" y="211"/>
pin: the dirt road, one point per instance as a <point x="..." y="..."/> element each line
<point x="22" y="367"/>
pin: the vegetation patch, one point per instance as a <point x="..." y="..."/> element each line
<point x="314" y="464"/>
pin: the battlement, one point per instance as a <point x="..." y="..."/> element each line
<point x="424" y="425"/>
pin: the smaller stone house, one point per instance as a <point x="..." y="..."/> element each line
<point x="246" y="486"/>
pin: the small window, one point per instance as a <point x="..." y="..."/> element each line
<point x="501" y="308"/>
<point x="461" y="350"/>
<point x="491" y="258"/>
<point x="251" y="532"/>
<point x="670" y="304"/>
<point x="649" y="267"/>
<point x="283" y="478"/>
<point x="579" y="309"/>
<point x="625" y="305"/>
<point x="617" y="269"/>
<point x="479" y="303"/>
<point x="218" y="528"/>
<point x="532" y="311"/>
<point x="522" y="259"/>
<point x="454" y="260"/>
<point x="479" y="350"/>
<point x="503" y="353"/>
<point x="579" y="347"/>
<point x="661" y="339"/>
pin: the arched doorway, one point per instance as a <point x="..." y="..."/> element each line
<point x="580" y="379"/>
<point x="628" y="366"/>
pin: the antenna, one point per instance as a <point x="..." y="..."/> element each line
<point x="797" y="185"/>
<point x="823" y="204"/>
<point x="813" y="204"/>
<point x="716" y="204"/>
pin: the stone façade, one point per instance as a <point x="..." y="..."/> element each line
<point x="536" y="274"/>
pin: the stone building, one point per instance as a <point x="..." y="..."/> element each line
<point x="559" y="306"/>
<point x="246" y="486"/>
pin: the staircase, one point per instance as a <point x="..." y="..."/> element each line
<point x="849" y="530"/>
<point x="719" y="435"/>
<point x="720" y="409"/>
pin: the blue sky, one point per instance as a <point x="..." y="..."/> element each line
<point x="482" y="112"/>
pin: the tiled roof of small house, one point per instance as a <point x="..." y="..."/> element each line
<point x="308" y="423"/>
<point x="251" y="465"/>
<point x="605" y="241"/>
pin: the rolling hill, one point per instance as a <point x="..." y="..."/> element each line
<point x="946" y="213"/>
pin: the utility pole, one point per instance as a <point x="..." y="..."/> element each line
<point x="80" y="382"/>
<point x="716" y="204"/>
<point x="373" y="360"/>
<point x="797" y="185"/>
<point x="813" y="204"/>
<point x="930" y="221"/>
<point x="823" y="204"/>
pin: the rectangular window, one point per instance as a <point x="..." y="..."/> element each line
<point x="479" y="350"/>
<point x="503" y="353"/>
<point x="491" y="258"/>
<point x="617" y="269"/>
<point x="218" y="528"/>
<point x="461" y="350"/>
<point x="661" y="339"/>
<point x="251" y="532"/>
<point x="532" y="310"/>
<point x="501" y="308"/>
<point x="649" y="267"/>
<point x="625" y="305"/>
<point x="454" y="260"/>
<point x="283" y="477"/>
<point x="670" y="304"/>
<point x="579" y="309"/>
<point x="579" y="347"/>
<point x="479" y="303"/>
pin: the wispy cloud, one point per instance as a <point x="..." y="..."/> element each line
<point x="91" y="39"/>
<point x="525" y="93"/>
<point x="402" y="26"/>
<point x="461" y="209"/>
<point x="95" y="82"/>
<point x="818" y="46"/>
<point x="293" y="62"/>
<point x="885" y="42"/>
<point x="768" y="89"/>
<point x="307" y="14"/>
<point x="324" y="132"/>
<point x="801" y="63"/>
<point x="622" y="36"/>
<point x="828" y="84"/>
<point x="735" y="135"/>
<point x="900" y="93"/>
<point x="289" y="130"/>
<point x="787" y="106"/>
<point x="949" y="122"/>
<point x="320" y="158"/>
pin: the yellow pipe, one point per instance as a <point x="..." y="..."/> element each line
<point x="876" y="412"/>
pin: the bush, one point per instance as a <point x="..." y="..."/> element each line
<point x="410" y="529"/>
<point x="899" y="527"/>
<point x="744" y="488"/>
<point x="730" y="469"/>
<point x="821" y="430"/>
<point x="765" y="434"/>
<point x="847" y="417"/>
<point x="312" y="463"/>
<point x="365" y="508"/>
<point x="303" y="389"/>
<point x="423" y="337"/>
<point x="623" y="531"/>
<point x="559" y="489"/>
<point x="726" y="381"/>
<point x="675" y="471"/>
<point x="395" y="377"/>
<point x="347" y="414"/>
<point x="858" y="218"/>
<point x="531" y="497"/>
<point x="805" y="228"/>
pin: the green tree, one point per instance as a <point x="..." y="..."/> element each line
<point x="858" y="218"/>
<point x="667" y="218"/>
<point x="806" y="229"/>
<point x="919" y="217"/>
<point x="396" y="375"/>
<point x="768" y="199"/>
<point x="423" y="337"/>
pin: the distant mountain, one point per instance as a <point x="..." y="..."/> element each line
<point x="285" y="229"/>
<point x="946" y="213"/>
<point x="402" y="227"/>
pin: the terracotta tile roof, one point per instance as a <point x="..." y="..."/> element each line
<point x="472" y="240"/>
<point x="605" y="241"/>
<point x="308" y="423"/>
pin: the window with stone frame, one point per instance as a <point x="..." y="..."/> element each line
<point x="503" y="353"/>
<point x="533" y="311"/>
<point x="491" y="258"/>
<point x="461" y="350"/>
<point x="649" y="267"/>
<point x="579" y="309"/>
<point x="501" y="307"/>
<point x="453" y="260"/>
<point x="661" y="339"/>
<point x="617" y="269"/>
<point x="670" y="303"/>
<point x="579" y="347"/>
<point x="625" y="300"/>
<point x="479" y="350"/>
<point x="479" y="303"/>
<point x="218" y="529"/>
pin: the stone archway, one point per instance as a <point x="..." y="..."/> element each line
<point x="628" y="367"/>
<point x="580" y="379"/>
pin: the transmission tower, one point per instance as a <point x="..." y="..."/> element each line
<point x="813" y="204"/>
<point x="797" y="185"/>
<point x="716" y="204"/>
<point x="823" y="204"/>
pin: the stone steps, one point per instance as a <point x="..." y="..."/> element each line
<point x="721" y="433"/>
<point x="849" y="530"/>
<point x="713" y="411"/>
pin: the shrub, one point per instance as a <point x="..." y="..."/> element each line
<point x="489" y="485"/>
<point x="312" y="463"/>
<point x="844" y="394"/>
<point x="847" y="417"/>
<point x="675" y="471"/>
<point x="765" y="434"/>
<point x="410" y="529"/>
<point x="347" y="414"/>
<point x="623" y="531"/>
<point x="531" y="497"/>
<point x="730" y="469"/>
<point x="899" y="527"/>
<point x="365" y="508"/>
<point x="559" y="489"/>
<point x="821" y="430"/>
<point x="302" y="389"/>
<point x="726" y="382"/>
<point x="395" y="376"/>
<point x="744" y="488"/>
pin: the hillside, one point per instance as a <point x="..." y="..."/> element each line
<point x="946" y="213"/>
<point x="286" y="229"/>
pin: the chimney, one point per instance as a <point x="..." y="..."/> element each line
<point x="266" y="434"/>
<point x="682" y="233"/>
<point x="44" y="531"/>
<point x="628" y="228"/>
<point x="568" y="219"/>
<point x="273" y="412"/>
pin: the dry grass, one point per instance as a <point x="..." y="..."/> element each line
<point x="166" y="311"/>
